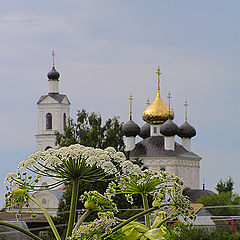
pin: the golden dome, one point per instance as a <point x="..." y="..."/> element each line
<point x="157" y="112"/>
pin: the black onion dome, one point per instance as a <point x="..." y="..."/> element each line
<point x="169" y="128"/>
<point x="145" y="131"/>
<point x="130" y="129"/>
<point x="186" y="130"/>
<point x="53" y="74"/>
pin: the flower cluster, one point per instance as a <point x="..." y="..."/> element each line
<point x="17" y="195"/>
<point x="164" y="187"/>
<point x="93" y="230"/>
<point x="98" y="202"/>
<point x="76" y="162"/>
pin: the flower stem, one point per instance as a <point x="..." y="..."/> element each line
<point x="146" y="207"/>
<point x="73" y="207"/>
<point x="29" y="234"/>
<point x="49" y="219"/>
<point x="128" y="221"/>
<point x="83" y="217"/>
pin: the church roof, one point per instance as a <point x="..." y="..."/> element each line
<point x="154" y="147"/>
<point x="58" y="97"/>
<point x="195" y="194"/>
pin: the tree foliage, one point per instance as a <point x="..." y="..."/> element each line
<point x="223" y="233"/>
<point x="224" y="198"/>
<point x="89" y="130"/>
<point x="224" y="186"/>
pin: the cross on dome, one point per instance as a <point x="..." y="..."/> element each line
<point x="130" y="99"/>
<point x="53" y="55"/>
<point x="169" y="103"/>
<point x="158" y="72"/>
<point x="186" y="106"/>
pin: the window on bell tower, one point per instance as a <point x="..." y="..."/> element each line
<point x="49" y="121"/>
<point x="64" y="120"/>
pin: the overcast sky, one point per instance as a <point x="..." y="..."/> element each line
<point x="106" y="50"/>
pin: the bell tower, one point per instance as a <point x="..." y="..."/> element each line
<point x="53" y="112"/>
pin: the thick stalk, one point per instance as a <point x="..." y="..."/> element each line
<point x="29" y="234"/>
<point x="128" y="221"/>
<point x="49" y="219"/>
<point x="163" y="221"/>
<point x="73" y="207"/>
<point x="146" y="207"/>
<point x="81" y="220"/>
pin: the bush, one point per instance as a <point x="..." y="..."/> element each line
<point x="223" y="233"/>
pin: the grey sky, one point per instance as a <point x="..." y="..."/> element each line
<point x="107" y="49"/>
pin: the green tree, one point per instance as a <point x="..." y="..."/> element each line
<point x="224" y="198"/>
<point x="89" y="130"/>
<point x="224" y="186"/>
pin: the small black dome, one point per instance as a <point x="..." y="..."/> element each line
<point x="145" y="131"/>
<point x="130" y="129"/>
<point x="53" y="74"/>
<point x="186" y="130"/>
<point x="169" y="128"/>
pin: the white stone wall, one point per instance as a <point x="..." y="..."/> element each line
<point x="129" y="143"/>
<point x="155" y="130"/>
<point x="186" y="168"/>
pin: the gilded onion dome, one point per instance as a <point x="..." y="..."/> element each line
<point x="157" y="112"/>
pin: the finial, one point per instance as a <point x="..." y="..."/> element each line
<point x="53" y="54"/>
<point x="186" y="105"/>
<point x="158" y="73"/>
<point x="131" y="99"/>
<point x="169" y="103"/>
<point x="148" y="102"/>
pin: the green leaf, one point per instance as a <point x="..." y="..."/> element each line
<point x="134" y="230"/>
<point x="156" y="234"/>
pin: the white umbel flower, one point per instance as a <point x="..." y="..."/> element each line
<point x="10" y="177"/>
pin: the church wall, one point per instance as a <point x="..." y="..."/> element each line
<point x="186" y="168"/>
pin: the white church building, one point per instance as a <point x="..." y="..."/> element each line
<point x="158" y="149"/>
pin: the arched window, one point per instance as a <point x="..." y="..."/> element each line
<point x="49" y="121"/>
<point x="48" y="147"/>
<point x="64" y="120"/>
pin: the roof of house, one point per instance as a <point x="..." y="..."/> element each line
<point x="154" y="147"/>
<point x="195" y="194"/>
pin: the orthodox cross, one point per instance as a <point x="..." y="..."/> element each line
<point x="130" y="99"/>
<point x="186" y="105"/>
<point x="148" y="102"/>
<point x="53" y="55"/>
<point x="169" y="103"/>
<point x="158" y="73"/>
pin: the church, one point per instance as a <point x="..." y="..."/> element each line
<point x="158" y="149"/>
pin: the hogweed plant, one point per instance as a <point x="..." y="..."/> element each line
<point x="75" y="164"/>
<point x="69" y="165"/>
